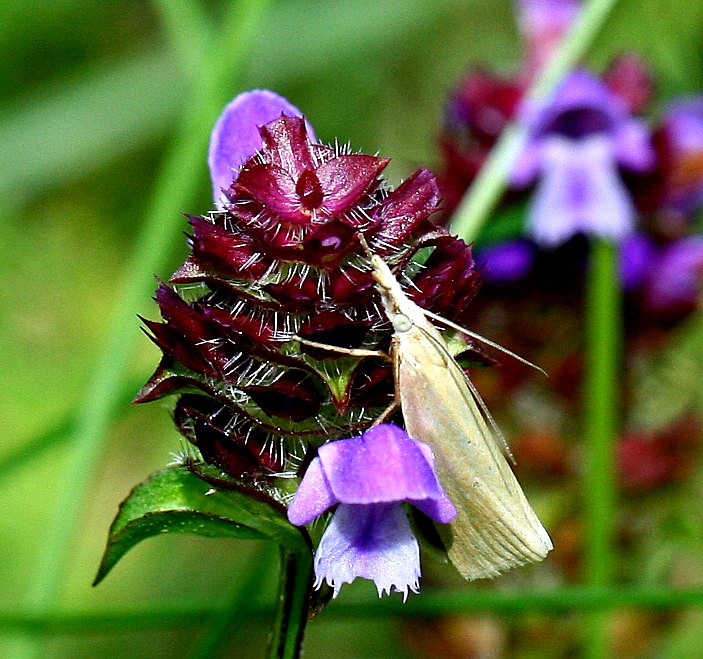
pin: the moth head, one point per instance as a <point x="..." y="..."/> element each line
<point x="401" y="323"/>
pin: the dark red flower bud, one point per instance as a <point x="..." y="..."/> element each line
<point x="476" y="114"/>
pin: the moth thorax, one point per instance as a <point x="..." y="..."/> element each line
<point x="401" y="323"/>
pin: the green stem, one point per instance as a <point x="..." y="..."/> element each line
<point x="484" y="194"/>
<point x="603" y="343"/>
<point x="292" y="606"/>
<point x="179" y="180"/>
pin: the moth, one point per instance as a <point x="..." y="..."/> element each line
<point x="495" y="528"/>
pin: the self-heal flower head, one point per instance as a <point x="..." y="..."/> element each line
<point x="369" y="536"/>
<point x="578" y="141"/>
<point x="476" y="113"/>
<point x="280" y="258"/>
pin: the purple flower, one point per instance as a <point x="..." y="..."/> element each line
<point x="506" y="262"/>
<point x="674" y="282"/>
<point x="636" y="258"/>
<point x="577" y="143"/>
<point x="682" y="132"/>
<point x="369" y="536"/>
<point x="236" y="137"/>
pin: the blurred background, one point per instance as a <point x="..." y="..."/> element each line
<point x="93" y="94"/>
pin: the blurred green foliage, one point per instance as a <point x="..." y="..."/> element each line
<point x="91" y="94"/>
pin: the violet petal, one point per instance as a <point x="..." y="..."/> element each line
<point x="543" y="23"/>
<point x="678" y="275"/>
<point x="537" y="16"/>
<point x="579" y="91"/>
<point x="683" y="123"/>
<point x="579" y="192"/>
<point x="374" y="542"/>
<point x="382" y="465"/>
<point x="439" y="509"/>
<point x="235" y="137"/>
<point x="633" y="146"/>
<point x="506" y="262"/>
<point x="683" y="128"/>
<point x="527" y="165"/>
<point x="313" y="497"/>
<point x="636" y="259"/>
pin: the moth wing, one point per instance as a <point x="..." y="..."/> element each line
<point x="496" y="528"/>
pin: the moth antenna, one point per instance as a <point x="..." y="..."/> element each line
<point x="484" y="340"/>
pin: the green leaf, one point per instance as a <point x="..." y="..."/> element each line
<point x="175" y="500"/>
<point x="110" y="110"/>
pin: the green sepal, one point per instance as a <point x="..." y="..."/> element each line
<point x="175" y="500"/>
<point x="337" y="375"/>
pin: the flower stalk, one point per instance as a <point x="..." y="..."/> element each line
<point x="292" y="605"/>
<point x="603" y="343"/>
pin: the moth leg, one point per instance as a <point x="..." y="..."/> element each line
<point x="352" y="352"/>
<point x="386" y="413"/>
<point x="395" y="358"/>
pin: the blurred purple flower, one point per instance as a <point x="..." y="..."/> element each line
<point x="577" y="142"/>
<point x="682" y="133"/>
<point x="543" y="23"/>
<point x="674" y="281"/>
<point x="506" y="262"/>
<point x="235" y="137"/>
<point x="637" y="255"/>
<point x="369" y="536"/>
